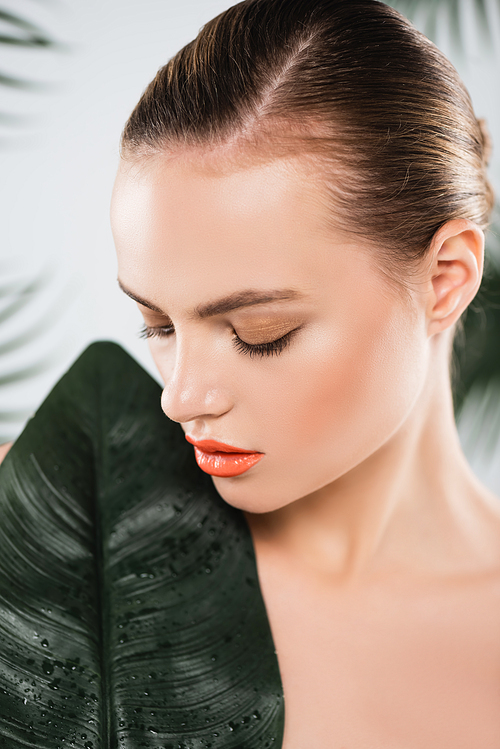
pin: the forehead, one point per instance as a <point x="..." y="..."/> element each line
<point x="229" y="195"/>
<point x="190" y="224"/>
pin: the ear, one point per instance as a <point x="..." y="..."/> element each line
<point x="457" y="252"/>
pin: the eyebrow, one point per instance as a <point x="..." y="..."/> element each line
<point x="239" y="299"/>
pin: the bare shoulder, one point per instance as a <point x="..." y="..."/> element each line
<point x="4" y="449"/>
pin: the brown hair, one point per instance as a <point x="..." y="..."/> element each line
<point x="352" y="84"/>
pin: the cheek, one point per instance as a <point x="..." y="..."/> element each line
<point x="163" y="357"/>
<point x="347" y="393"/>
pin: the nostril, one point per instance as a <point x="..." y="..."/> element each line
<point x="191" y="403"/>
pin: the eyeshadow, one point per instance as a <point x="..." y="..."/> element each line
<point x="265" y="330"/>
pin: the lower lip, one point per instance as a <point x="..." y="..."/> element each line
<point x="225" y="464"/>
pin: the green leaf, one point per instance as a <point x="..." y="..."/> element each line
<point x="21" y="32"/>
<point x="130" y="608"/>
<point x="26" y="373"/>
<point x="477" y="351"/>
<point x="483" y="20"/>
<point x="428" y="14"/>
<point x="22" y="297"/>
<point x="13" y="82"/>
<point x="25" y="33"/>
<point x="42" y="322"/>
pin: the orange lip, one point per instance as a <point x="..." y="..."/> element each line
<point x="219" y="459"/>
<point x="211" y="446"/>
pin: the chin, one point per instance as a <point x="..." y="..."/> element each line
<point x="246" y="495"/>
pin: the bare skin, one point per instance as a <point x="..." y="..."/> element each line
<point x="378" y="550"/>
<point x="4" y="449"/>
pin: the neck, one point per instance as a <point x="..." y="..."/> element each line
<point x="413" y="504"/>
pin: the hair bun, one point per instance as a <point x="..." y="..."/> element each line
<point x="486" y="143"/>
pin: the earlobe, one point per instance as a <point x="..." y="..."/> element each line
<point x="458" y="256"/>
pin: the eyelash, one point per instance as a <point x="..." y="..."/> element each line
<point x="272" y="348"/>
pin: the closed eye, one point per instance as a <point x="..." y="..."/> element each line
<point x="270" y="348"/>
<point x="156" y="331"/>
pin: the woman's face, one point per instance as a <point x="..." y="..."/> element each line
<point x="351" y="354"/>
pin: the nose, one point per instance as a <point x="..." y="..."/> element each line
<point x="195" y="389"/>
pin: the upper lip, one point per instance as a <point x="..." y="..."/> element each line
<point x="212" y="446"/>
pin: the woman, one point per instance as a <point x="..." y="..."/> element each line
<point x="299" y="214"/>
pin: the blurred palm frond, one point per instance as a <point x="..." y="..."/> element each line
<point x="432" y="15"/>
<point x="478" y="426"/>
<point x="18" y="298"/>
<point x="24" y="322"/>
<point x="19" y="33"/>
<point x="476" y="354"/>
